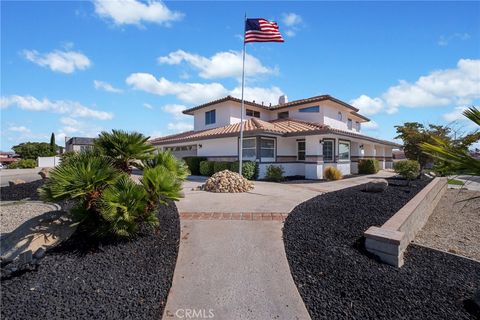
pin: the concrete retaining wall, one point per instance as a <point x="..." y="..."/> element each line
<point x="390" y="241"/>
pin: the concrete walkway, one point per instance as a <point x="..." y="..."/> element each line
<point x="237" y="268"/>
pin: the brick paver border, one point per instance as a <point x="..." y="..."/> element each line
<point x="251" y="216"/>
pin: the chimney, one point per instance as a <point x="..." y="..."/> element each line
<point x="282" y="99"/>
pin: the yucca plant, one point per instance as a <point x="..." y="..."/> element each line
<point x="170" y="162"/>
<point x="126" y="149"/>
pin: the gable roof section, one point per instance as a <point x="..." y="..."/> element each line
<point x="280" y="127"/>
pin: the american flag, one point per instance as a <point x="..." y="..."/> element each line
<point x="261" y="30"/>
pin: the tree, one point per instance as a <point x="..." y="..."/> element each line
<point x="124" y="148"/>
<point x="53" y="146"/>
<point x="33" y="150"/>
<point x="455" y="153"/>
<point x="412" y="134"/>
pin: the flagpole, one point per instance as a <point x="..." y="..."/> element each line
<point x="240" y="145"/>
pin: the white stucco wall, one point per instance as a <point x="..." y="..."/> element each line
<point x="290" y="169"/>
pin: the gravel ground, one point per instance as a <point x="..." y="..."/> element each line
<point x="454" y="226"/>
<point x="12" y="215"/>
<point x="337" y="280"/>
<point x="112" y="280"/>
<point x="21" y="191"/>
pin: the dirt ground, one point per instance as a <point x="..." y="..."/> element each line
<point x="454" y="226"/>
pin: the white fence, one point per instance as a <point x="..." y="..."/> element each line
<point x="48" y="162"/>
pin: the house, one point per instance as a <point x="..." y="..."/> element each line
<point x="303" y="136"/>
<point x="8" y="157"/>
<point x="78" y="143"/>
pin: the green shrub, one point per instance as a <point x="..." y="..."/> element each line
<point x="193" y="164"/>
<point x="249" y="169"/>
<point x="220" y="166"/>
<point x="408" y="169"/>
<point x="274" y="173"/>
<point x="368" y="166"/>
<point x="170" y="162"/>
<point x="206" y="168"/>
<point x="23" y="164"/>
<point x="332" y="173"/>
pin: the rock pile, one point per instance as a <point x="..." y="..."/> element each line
<point x="379" y="185"/>
<point x="44" y="173"/>
<point x="227" y="181"/>
<point x="15" y="182"/>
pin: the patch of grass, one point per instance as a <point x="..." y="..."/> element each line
<point x="455" y="182"/>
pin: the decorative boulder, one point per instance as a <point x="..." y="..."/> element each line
<point x="12" y="183"/>
<point x="44" y="173"/>
<point x="378" y="185"/>
<point x="227" y="181"/>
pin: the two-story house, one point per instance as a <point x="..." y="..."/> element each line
<point x="302" y="136"/>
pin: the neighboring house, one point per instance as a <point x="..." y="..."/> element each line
<point x="302" y="136"/>
<point x="78" y="143"/>
<point x="398" y="155"/>
<point x="8" y="157"/>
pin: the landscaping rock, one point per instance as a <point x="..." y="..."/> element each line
<point x="39" y="254"/>
<point x="15" y="182"/>
<point x="227" y="181"/>
<point x="25" y="257"/>
<point x="44" y="173"/>
<point x="377" y="185"/>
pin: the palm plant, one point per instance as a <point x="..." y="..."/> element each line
<point x="161" y="185"/>
<point x="170" y="162"/>
<point x="459" y="158"/>
<point x="126" y="149"/>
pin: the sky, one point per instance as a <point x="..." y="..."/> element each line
<point x="78" y="68"/>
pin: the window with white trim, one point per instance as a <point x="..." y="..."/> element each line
<point x="210" y="117"/>
<point x="310" y="109"/>
<point x="343" y="150"/>
<point x="301" y="150"/>
<point x="328" y="150"/>
<point x="267" y="149"/>
<point x="358" y="125"/>
<point x="249" y="149"/>
<point x="349" y="124"/>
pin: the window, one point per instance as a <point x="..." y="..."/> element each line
<point x="357" y="124"/>
<point x="350" y="123"/>
<point x="343" y="150"/>
<point x="339" y="116"/>
<point x="249" y="149"/>
<point x="210" y="117"/>
<point x="328" y="150"/>
<point x="310" y="109"/>
<point x="267" y="148"/>
<point x="301" y="150"/>
<point x="253" y="113"/>
<point x="283" y="115"/>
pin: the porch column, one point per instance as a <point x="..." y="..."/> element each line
<point x="388" y="158"/>
<point x="313" y="157"/>
<point x="355" y="155"/>
<point x="380" y="156"/>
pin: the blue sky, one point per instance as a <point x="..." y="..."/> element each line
<point x="76" y="68"/>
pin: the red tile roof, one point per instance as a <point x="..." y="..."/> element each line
<point x="281" y="127"/>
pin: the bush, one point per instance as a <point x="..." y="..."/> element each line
<point x="193" y="164"/>
<point x="368" y="166"/>
<point x="23" y="164"/>
<point x="249" y="169"/>
<point x="274" y="173"/>
<point x="332" y="173"/>
<point x="220" y="166"/>
<point x="408" y="169"/>
<point x="206" y="168"/>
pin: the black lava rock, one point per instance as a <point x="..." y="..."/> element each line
<point x="111" y="279"/>
<point x="21" y="191"/>
<point x="338" y="280"/>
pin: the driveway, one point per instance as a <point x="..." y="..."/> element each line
<point x="28" y="175"/>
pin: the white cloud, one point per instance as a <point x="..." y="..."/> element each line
<point x="72" y="127"/>
<point x="456" y="114"/>
<point x="134" y="12"/>
<point x="59" y="61"/>
<point x="198" y="93"/>
<point x="291" y="19"/>
<point x="460" y="85"/>
<point x="187" y="92"/>
<point x="175" y="110"/>
<point x="155" y="134"/>
<point x="220" y="65"/>
<point x="20" y="129"/>
<point x="180" y="126"/>
<point x="148" y="105"/>
<point x="105" y="86"/>
<point x="293" y="23"/>
<point x="445" y="40"/>
<point x="371" y="125"/>
<point x="72" y="108"/>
